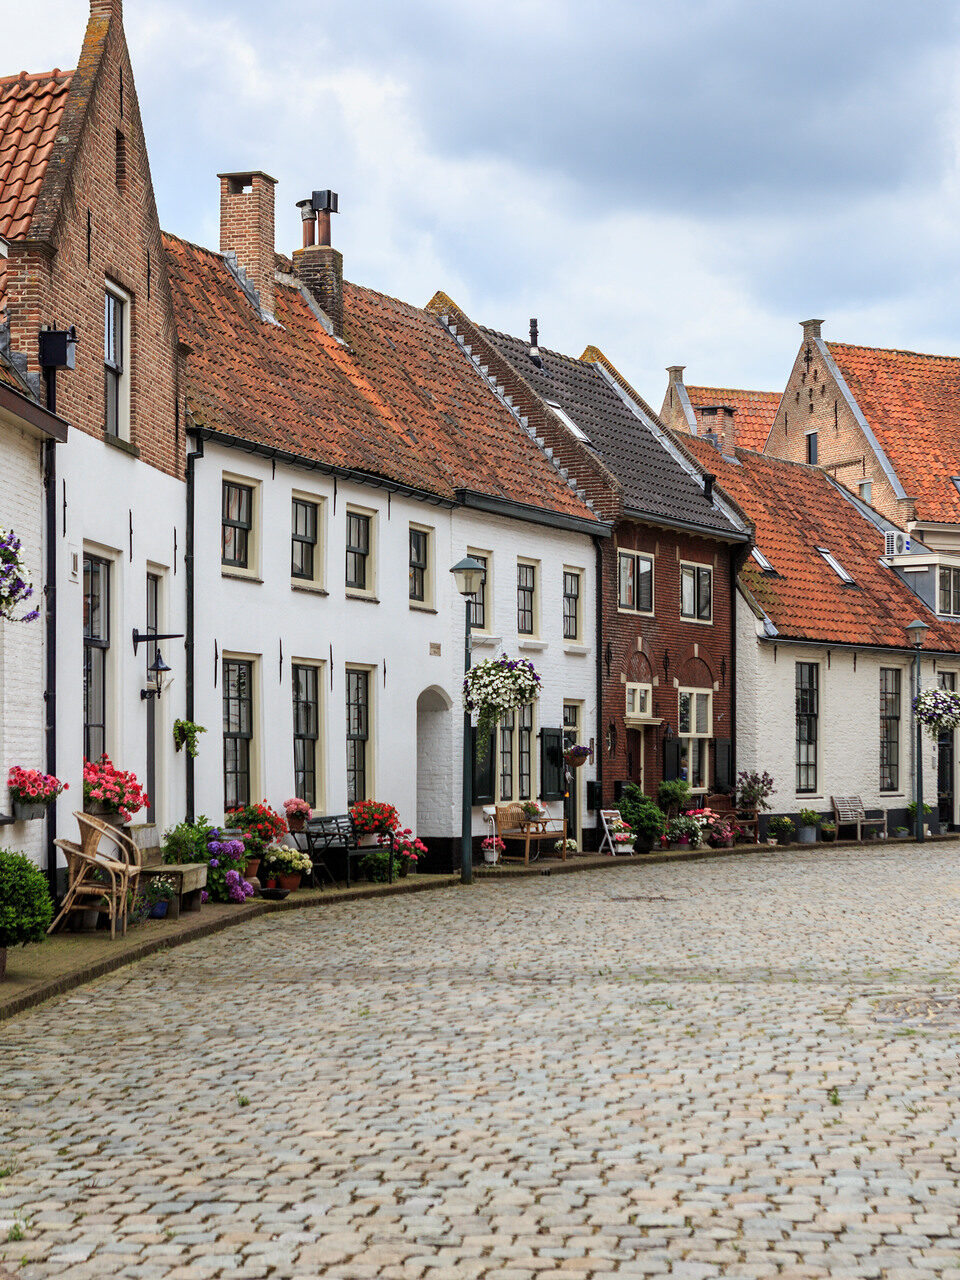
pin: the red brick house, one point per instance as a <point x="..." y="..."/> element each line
<point x="666" y="579"/>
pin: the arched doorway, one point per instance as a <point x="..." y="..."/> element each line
<point x="434" y="764"/>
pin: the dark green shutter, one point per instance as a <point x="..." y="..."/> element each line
<point x="722" y="763"/>
<point x="671" y="760"/>
<point x="483" y="788"/>
<point x="552" y="783"/>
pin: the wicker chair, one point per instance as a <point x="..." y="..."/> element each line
<point x="96" y="875"/>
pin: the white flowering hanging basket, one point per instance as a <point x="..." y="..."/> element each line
<point x="15" y="590"/>
<point x="494" y="687"/>
<point x="938" y="710"/>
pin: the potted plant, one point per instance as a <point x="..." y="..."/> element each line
<point x="154" y="898"/>
<point x="376" y="865"/>
<point x="492" y="848"/>
<point x="200" y="842"/>
<point x="754" y="790"/>
<point x="912" y="813"/>
<point x="15" y="590"/>
<point x="286" y="866"/>
<point x="373" y="817"/>
<point x="938" y="710"/>
<point x="684" y="832"/>
<point x="110" y="793"/>
<point x="31" y="791"/>
<point x="828" y="830"/>
<point x="237" y="889"/>
<point x="25" y="905"/>
<point x="648" y="822"/>
<point x="531" y="811"/>
<point x="260" y="826"/>
<point x="408" y="849"/>
<point x="494" y="687"/>
<point x="297" y="813"/>
<point x="902" y="831"/>
<point x="576" y="755"/>
<point x="185" y="734"/>
<point x="782" y="828"/>
<point x="807" y="829"/>
<point x="569" y="845"/>
<point x="673" y="797"/>
<point x="621" y="835"/>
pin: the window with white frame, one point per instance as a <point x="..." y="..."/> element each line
<point x="481" y="604"/>
<point x="359" y="743"/>
<point x="359" y="567"/>
<point x="638" y="700"/>
<point x="237" y="732"/>
<point x="836" y="566"/>
<point x="808" y="725"/>
<point x="420" y="568"/>
<point x="515" y="754"/>
<point x="635" y="582"/>
<point x="695" y="729"/>
<point x="306" y="732"/>
<point x="96" y="647"/>
<point x="116" y="362"/>
<point x="304" y="540"/>
<point x="237" y="526"/>
<point x="696" y="592"/>
<point x="526" y="598"/>
<point x="572" y="605"/>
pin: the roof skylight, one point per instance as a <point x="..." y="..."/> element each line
<point x="568" y="422"/>
<point x="836" y="566"/>
<point x="762" y="560"/>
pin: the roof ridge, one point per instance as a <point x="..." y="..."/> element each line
<point x="192" y="244"/>
<point x="734" y="391"/>
<point x="36" y="77"/>
<point x="889" y="351"/>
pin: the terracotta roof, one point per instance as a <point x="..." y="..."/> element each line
<point x="654" y="481"/>
<point x="797" y="509"/>
<point x="398" y="399"/>
<point x="31" y="108"/>
<point x="755" y="411"/>
<point x="912" y="404"/>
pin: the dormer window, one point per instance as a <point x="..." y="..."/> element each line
<point x="837" y="567"/>
<point x="949" y="592"/>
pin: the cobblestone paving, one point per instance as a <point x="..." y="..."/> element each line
<point x="726" y="1068"/>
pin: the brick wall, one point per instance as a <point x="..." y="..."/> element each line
<point x="664" y="650"/>
<point x="247" y="229"/>
<point x="63" y="282"/>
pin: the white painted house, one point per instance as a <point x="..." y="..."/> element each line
<point x="346" y="453"/>
<point x="825" y="667"/>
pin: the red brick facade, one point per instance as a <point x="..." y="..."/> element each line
<point x="96" y="222"/>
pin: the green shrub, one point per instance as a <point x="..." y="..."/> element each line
<point x="649" y="823"/>
<point x="630" y="802"/>
<point x="781" y="827"/>
<point x="376" y="866"/>
<point x="674" y="797"/>
<point x="186" y="842"/>
<point x="809" y="818"/>
<point x="26" y="908"/>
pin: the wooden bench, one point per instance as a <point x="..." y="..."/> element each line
<point x="512" y="825"/>
<point x="190" y="879"/>
<point x="848" y="811"/>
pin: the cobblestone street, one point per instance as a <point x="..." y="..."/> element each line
<point x="744" y="1067"/>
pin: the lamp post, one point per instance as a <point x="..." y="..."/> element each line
<point x="468" y="575"/>
<point x="916" y="631"/>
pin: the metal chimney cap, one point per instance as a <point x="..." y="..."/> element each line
<point x="326" y="201"/>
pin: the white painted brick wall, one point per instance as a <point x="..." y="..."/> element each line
<point x="21" y="644"/>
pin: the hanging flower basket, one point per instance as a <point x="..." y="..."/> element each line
<point x="15" y="590"/>
<point x="495" y="686"/>
<point x="938" y="710"/>
<point x="576" y="755"/>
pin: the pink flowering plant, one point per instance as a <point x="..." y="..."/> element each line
<point x="495" y="845"/>
<point x="406" y="846"/>
<point x="116" y="790"/>
<point x="938" y="710"/>
<point x="15" y="590"/>
<point x="30" y="786"/>
<point x="294" y="807"/>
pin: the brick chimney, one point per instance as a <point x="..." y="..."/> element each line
<point x="320" y="266"/>
<point x="246" y="229"/>
<point x="106" y="9"/>
<point x="727" y="431"/>
<point x="811" y="329"/>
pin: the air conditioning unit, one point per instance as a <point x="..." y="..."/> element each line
<point x="896" y="544"/>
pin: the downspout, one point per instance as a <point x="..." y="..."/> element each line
<point x="188" y="562"/>
<point x="598" y="755"/>
<point x="50" y="593"/>
<point x="738" y="558"/>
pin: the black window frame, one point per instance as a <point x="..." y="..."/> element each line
<point x="572" y="582"/>
<point x="96" y="645"/>
<point x="638" y="606"/>
<point x="153" y="619"/>
<point x="419" y="563"/>
<point x="241" y="526"/>
<point x="505" y="772"/>
<point x="525" y="751"/>
<point x="891" y="703"/>
<point x="478" y="601"/>
<point x="358" y="550"/>
<point x="950" y="576"/>
<point x="305" y="678"/>
<point x="526" y="598"/>
<point x="358" y="732"/>
<point x="113" y="360"/>
<point x="303" y="540"/>
<point x="807" y="686"/>
<point x="238" y="676"/>
<point x="813" y="448"/>
<point x="702" y="575"/>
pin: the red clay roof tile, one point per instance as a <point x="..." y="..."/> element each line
<point x="398" y="399"/>
<point x="755" y="411"/>
<point x="796" y="509"/>
<point x="912" y="404"/>
<point x="31" y="108"/>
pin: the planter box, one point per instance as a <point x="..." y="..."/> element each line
<point x="807" y="835"/>
<point x="27" y="812"/>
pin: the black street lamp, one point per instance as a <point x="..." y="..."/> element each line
<point x="469" y="575"/>
<point x="916" y="631"/>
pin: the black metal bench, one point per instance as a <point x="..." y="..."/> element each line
<point x="334" y="833"/>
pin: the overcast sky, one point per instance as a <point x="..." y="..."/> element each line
<point x="675" y="181"/>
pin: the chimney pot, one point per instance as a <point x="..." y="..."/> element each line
<point x="534" y="350"/>
<point x="675" y="372"/>
<point x="708" y="480"/>
<point x="811" y="329"/>
<point x="247" y="226"/>
<point x="309" y="216"/>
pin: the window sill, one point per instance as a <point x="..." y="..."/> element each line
<point x="308" y="589"/>
<point x="240" y="576"/>
<point x="532" y="645"/>
<point x="125" y="446"/>
<point x="419" y="607"/>
<point x="483" y="638"/>
<point x="635" y="613"/>
<point x="367" y="596"/>
<point x="696" y="622"/>
<point x="579" y="650"/>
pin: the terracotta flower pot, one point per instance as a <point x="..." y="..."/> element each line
<point x="251" y="869"/>
<point x="297" y="821"/>
<point x="290" y="882"/>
